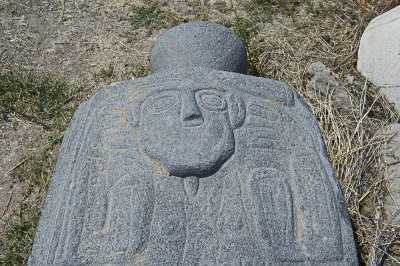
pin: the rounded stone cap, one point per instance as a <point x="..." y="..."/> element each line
<point x="199" y="44"/>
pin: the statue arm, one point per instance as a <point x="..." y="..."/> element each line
<point x="49" y="231"/>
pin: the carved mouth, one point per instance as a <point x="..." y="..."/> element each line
<point x="193" y="122"/>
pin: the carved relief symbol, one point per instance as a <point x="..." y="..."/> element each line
<point x="189" y="131"/>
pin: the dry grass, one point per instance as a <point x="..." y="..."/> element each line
<point x="353" y="140"/>
<point x="354" y="145"/>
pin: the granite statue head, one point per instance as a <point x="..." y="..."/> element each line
<point x="188" y="125"/>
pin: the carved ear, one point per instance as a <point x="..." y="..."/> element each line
<point x="237" y="110"/>
<point x="134" y="112"/>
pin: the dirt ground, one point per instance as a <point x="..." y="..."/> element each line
<point x="75" y="40"/>
<point x="80" y="39"/>
<point x="33" y="36"/>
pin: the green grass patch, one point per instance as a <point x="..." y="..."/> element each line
<point x="246" y="28"/>
<point x="37" y="169"/>
<point x="105" y="73"/>
<point x="44" y="99"/>
<point x="151" y="17"/>
<point x="35" y="97"/>
<point x="200" y="9"/>
<point x="139" y="69"/>
<point x="18" y="234"/>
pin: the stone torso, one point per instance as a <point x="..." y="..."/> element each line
<point x="195" y="166"/>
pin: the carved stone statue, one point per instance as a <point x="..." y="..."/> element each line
<point x="196" y="163"/>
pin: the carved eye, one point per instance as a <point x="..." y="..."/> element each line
<point x="212" y="100"/>
<point x="161" y="102"/>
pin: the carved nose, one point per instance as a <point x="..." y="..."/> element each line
<point x="191" y="114"/>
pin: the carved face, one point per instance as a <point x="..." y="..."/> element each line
<point x="188" y="131"/>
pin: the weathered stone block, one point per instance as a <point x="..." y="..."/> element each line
<point x="194" y="164"/>
<point x="379" y="52"/>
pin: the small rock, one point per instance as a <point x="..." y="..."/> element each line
<point x="322" y="82"/>
<point x="350" y="79"/>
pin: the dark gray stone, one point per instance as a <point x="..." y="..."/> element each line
<point x="199" y="44"/>
<point x="194" y="166"/>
